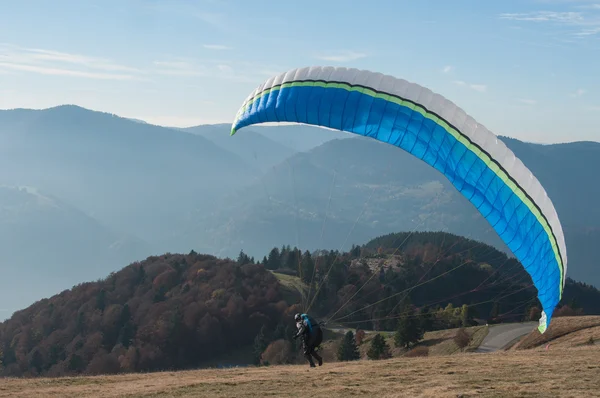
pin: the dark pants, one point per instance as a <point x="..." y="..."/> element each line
<point x="310" y="343"/>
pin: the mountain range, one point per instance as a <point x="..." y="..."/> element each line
<point x="83" y="184"/>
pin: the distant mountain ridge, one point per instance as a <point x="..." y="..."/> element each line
<point x="172" y="190"/>
<point x="404" y="194"/>
<point x="43" y="242"/>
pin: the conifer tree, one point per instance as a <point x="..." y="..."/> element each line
<point x="379" y="348"/>
<point x="348" y="350"/>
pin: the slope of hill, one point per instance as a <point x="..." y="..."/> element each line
<point x="181" y="311"/>
<point x="254" y="148"/>
<point x="137" y="178"/>
<point x="47" y="246"/>
<point x="353" y="189"/>
<point x="168" y="312"/>
<point x="568" y="331"/>
<point x="299" y="137"/>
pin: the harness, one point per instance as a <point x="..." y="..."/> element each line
<point x="307" y="321"/>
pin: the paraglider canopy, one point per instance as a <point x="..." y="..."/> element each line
<point x="435" y="130"/>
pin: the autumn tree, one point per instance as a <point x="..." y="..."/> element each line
<point x="279" y="352"/>
<point x="359" y="336"/>
<point x="462" y="338"/>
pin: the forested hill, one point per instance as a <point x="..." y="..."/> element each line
<point x="179" y="311"/>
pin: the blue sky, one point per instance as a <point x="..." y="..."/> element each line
<point x="529" y="69"/>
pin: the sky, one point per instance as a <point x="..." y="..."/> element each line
<point x="528" y="69"/>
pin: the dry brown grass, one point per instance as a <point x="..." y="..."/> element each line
<point x="576" y="339"/>
<point x="561" y="372"/>
<point x="559" y="327"/>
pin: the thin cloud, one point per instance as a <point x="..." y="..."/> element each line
<point x="590" y="6"/>
<point x="90" y="62"/>
<point x="477" y="87"/>
<point x="56" y="63"/>
<point x="343" y="56"/>
<point x="225" y="68"/>
<point x="545" y="16"/>
<point x="179" y="68"/>
<point x="190" y="68"/>
<point x="447" y="69"/>
<point x="216" y="47"/>
<point x="527" y="101"/>
<point x="588" y="32"/>
<point x="578" y="93"/>
<point x="584" y="23"/>
<point x="64" y="72"/>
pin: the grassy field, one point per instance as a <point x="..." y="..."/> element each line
<point x="570" y="368"/>
<point x="292" y="288"/>
<point x="573" y="372"/>
<point x="440" y="342"/>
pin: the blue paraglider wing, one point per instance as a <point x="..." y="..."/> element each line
<point x="441" y="134"/>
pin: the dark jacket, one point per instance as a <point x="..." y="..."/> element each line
<point x="308" y="328"/>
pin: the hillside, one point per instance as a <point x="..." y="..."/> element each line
<point x="168" y="312"/>
<point x="566" y="332"/>
<point x="266" y="146"/>
<point x="253" y="147"/>
<point x="179" y="311"/>
<point x="348" y="191"/>
<point x="574" y="372"/>
<point x="140" y="181"/>
<point x="129" y="188"/>
<point x="343" y="192"/>
<point x="43" y="242"/>
<point x="137" y="178"/>
<point x="300" y="137"/>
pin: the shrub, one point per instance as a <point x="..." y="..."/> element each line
<point x="566" y="310"/>
<point x="278" y="352"/>
<point x="462" y="338"/>
<point x="360" y="336"/>
<point x="420" y="351"/>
